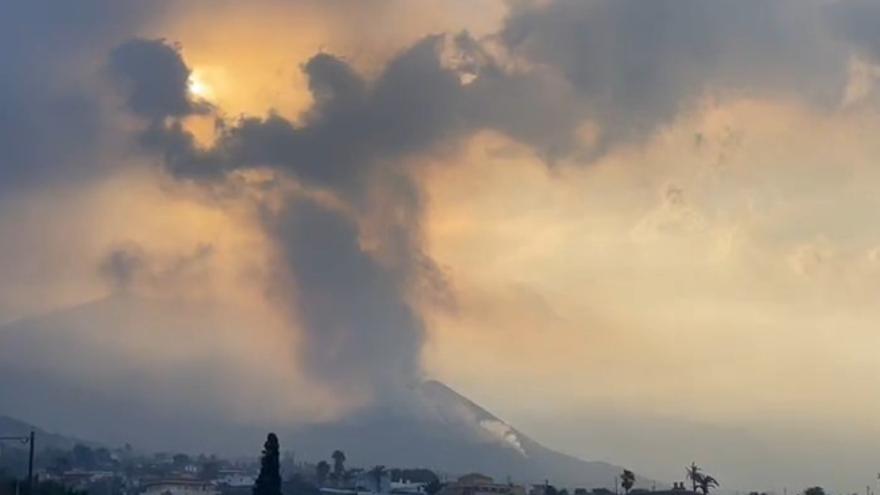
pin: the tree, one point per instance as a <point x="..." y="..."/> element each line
<point x="60" y="465"/>
<point x="434" y="486"/>
<point x="180" y="461"/>
<point x="83" y="456"/>
<point x="296" y="485"/>
<point x="627" y="480"/>
<point x="103" y="458"/>
<point x="694" y="474"/>
<point x="210" y="469"/>
<point x="349" y="475"/>
<point x="338" y="464"/>
<point x="700" y="480"/>
<point x="706" y="483"/>
<point x="321" y="472"/>
<point x="269" y="480"/>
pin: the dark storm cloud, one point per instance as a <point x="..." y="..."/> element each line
<point x="51" y="122"/>
<point x="154" y="78"/>
<point x="417" y="102"/>
<point x="856" y="21"/>
<point x="636" y="65"/>
<point x="627" y="66"/>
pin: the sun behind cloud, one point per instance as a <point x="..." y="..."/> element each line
<point x="199" y="86"/>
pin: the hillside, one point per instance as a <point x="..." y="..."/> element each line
<point x="437" y="427"/>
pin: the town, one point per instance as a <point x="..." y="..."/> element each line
<point x="95" y="470"/>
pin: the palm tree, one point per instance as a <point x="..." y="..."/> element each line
<point x="694" y="474"/>
<point x="707" y="482"/>
<point x="627" y="480"/>
<point x="321" y="472"/>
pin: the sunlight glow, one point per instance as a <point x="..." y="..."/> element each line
<point x="198" y="87"/>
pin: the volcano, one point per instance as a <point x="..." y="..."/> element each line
<point x="438" y="428"/>
<point x="448" y="432"/>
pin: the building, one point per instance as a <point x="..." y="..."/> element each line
<point x="363" y="483"/>
<point x="678" y="488"/>
<point x="404" y="487"/>
<point x="479" y="484"/>
<point x="178" y="487"/>
<point x="235" y="478"/>
<point x="76" y="479"/>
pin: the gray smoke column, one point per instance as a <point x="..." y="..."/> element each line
<point x="360" y="333"/>
<point x="360" y="330"/>
<point x="628" y="67"/>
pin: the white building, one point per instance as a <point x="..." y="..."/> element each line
<point x="235" y="478"/>
<point x="407" y="487"/>
<point x="179" y="487"/>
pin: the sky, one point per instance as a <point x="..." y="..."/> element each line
<point x="640" y="231"/>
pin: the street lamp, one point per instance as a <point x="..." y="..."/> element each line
<point x="28" y="440"/>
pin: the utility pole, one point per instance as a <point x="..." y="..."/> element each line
<point x="31" y="464"/>
<point x="29" y="440"/>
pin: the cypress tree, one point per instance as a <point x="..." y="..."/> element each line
<point x="269" y="480"/>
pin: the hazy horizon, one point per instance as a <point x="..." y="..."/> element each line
<point x="640" y="232"/>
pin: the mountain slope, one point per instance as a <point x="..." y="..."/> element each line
<point x="447" y="431"/>
<point x="126" y="370"/>
<point x="44" y="440"/>
<point x="83" y="371"/>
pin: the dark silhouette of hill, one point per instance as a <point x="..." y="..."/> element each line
<point x="65" y="372"/>
<point x="44" y="440"/>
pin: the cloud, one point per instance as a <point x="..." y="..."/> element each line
<point x="747" y="271"/>
<point x="854" y="21"/>
<point x="360" y="332"/>
<point x="416" y="103"/>
<point x="154" y="78"/>
<point x="637" y="65"/>
<point x="129" y="266"/>
<point x="53" y="122"/>
<point x="580" y="261"/>
<point x="121" y="266"/>
<point x="553" y="68"/>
